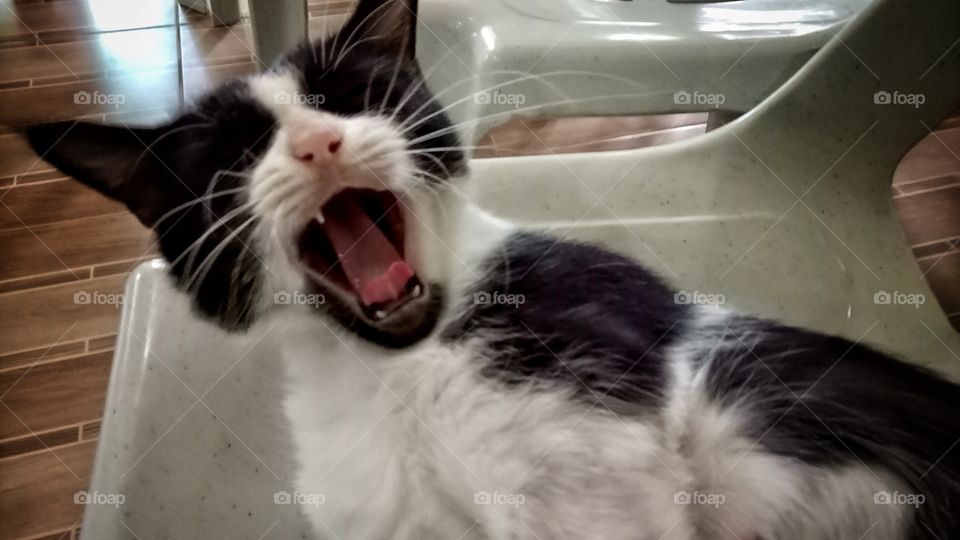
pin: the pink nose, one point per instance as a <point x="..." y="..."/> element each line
<point x="315" y="145"/>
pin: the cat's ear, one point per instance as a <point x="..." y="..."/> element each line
<point x="115" y="160"/>
<point x="391" y="24"/>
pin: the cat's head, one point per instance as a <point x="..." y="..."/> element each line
<point x="310" y="187"/>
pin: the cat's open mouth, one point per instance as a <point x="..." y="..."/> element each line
<point x="356" y="243"/>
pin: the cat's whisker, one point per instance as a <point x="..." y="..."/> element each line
<point x="204" y="267"/>
<point x="191" y="250"/>
<point x="197" y="200"/>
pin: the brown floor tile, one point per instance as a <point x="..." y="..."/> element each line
<point x="38" y="441"/>
<point x="943" y="274"/>
<point x="217" y="45"/>
<point x="44" y="280"/>
<point x="939" y="182"/>
<point x="935" y="155"/>
<point x="931" y="215"/>
<point x="41" y="317"/>
<point x="17" y="158"/>
<point x="102" y="343"/>
<point x="43" y="354"/>
<point x="53" y="17"/>
<point x="44" y="396"/>
<point x="110" y="54"/>
<point x="198" y="80"/>
<point x="36" y="490"/>
<point x="122" y="267"/>
<point x="90" y="431"/>
<point x="49" y="202"/>
<point x="139" y="91"/>
<point x="73" y="244"/>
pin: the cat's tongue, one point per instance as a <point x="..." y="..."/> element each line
<point x="373" y="266"/>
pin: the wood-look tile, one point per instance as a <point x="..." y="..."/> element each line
<point x="199" y="80"/>
<point x="122" y="267"/>
<point x="930" y="183"/>
<point x="36" y="490"/>
<point x="73" y="244"/>
<point x="42" y="354"/>
<point x="41" y="317"/>
<point x="943" y="272"/>
<point x="19" y="158"/>
<point x="929" y="216"/>
<point x="137" y="91"/>
<point x="49" y="202"/>
<point x="44" y="396"/>
<point x="217" y="45"/>
<point x="112" y="54"/>
<point x="102" y="343"/>
<point x="540" y="136"/>
<point x="90" y="431"/>
<point x="935" y="155"/>
<point x="38" y="441"/>
<point x="63" y="534"/>
<point x="44" y="280"/>
<point x="48" y="18"/>
<point x="931" y="249"/>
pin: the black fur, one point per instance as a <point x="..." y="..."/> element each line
<point x="591" y="320"/>
<point x="827" y="401"/>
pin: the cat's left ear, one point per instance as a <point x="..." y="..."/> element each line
<point x="117" y="161"/>
<point x="390" y="24"/>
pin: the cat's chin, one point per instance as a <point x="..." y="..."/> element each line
<point x="404" y="326"/>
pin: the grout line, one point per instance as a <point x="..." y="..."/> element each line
<point x="79" y="354"/>
<point x="48" y="449"/>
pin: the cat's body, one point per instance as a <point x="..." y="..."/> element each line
<point x="451" y="377"/>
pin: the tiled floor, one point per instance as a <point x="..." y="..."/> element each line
<point x="60" y="239"/>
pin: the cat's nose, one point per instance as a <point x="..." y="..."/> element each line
<point x="315" y="145"/>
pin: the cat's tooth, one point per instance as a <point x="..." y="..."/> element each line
<point x="319" y="217"/>
<point x="380" y="314"/>
<point x="415" y="292"/>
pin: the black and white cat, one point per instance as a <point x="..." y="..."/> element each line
<point x="597" y="407"/>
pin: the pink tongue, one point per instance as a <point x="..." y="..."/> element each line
<point x="372" y="265"/>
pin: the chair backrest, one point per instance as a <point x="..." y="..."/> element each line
<point x="785" y="212"/>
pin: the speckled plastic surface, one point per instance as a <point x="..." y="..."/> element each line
<point x="785" y="212"/>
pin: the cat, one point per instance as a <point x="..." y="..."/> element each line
<point x="451" y="376"/>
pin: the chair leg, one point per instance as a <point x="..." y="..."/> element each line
<point x="277" y="26"/>
<point x="225" y="12"/>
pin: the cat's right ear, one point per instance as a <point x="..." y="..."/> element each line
<point x="390" y="24"/>
<point x="117" y="161"/>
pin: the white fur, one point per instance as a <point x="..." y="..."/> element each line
<point x="407" y="444"/>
